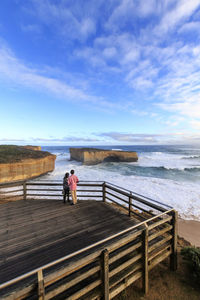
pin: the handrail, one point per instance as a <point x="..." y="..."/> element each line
<point x="132" y="196"/>
<point x="85" y="181"/>
<point x="81" y="251"/>
<point x="134" y="193"/>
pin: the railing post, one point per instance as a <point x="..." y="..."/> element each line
<point x="41" y="290"/>
<point x="173" y="256"/>
<point x="105" y="274"/>
<point x="145" y="273"/>
<point x="24" y="190"/>
<point x="104" y="191"/>
<point x="130" y="204"/>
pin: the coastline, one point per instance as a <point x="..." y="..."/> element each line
<point x="190" y="231"/>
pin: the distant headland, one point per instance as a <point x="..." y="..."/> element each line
<point x="24" y="162"/>
<point x="92" y="156"/>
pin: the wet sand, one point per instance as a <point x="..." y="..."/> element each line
<point x="190" y="231"/>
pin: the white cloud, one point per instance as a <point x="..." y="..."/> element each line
<point x="185" y="108"/>
<point x="65" y="19"/>
<point x="131" y="56"/>
<point x="16" y="72"/>
<point x="150" y="56"/>
<point x="131" y="137"/>
<point x="190" y="27"/>
<point x="145" y="8"/>
<point x="195" y="124"/>
<point x="182" y="10"/>
<point x="88" y="27"/>
<point x="140" y="113"/>
<point x="141" y="83"/>
<point x="64" y="140"/>
<point x="163" y="138"/>
<point x="120" y="14"/>
<point x="110" y="52"/>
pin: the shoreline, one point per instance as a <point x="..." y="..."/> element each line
<point x="190" y="231"/>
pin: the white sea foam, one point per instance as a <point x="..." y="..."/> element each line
<point x="167" y="160"/>
<point x="183" y="196"/>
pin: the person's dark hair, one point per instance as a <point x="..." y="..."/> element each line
<point x="72" y="172"/>
<point x="66" y="175"/>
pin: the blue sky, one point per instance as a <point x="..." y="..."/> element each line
<point x="75" y="72"/>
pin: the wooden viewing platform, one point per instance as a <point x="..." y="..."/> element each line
<point x="52" y="250"/>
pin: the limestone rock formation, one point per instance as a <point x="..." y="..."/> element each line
<point x="26" y="169"/>
<point x="92" y="156"/>
<point x="36" y="148"/>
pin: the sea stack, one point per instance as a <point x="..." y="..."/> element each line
<point x="93" y="156"/>
<point x="19" y="163"/>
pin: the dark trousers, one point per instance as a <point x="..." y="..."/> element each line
<point x="65" y="193"/>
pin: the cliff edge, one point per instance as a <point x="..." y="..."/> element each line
<point x="19" y="163"/>
<point x="92" y="156"/>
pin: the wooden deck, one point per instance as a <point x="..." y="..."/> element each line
<point x="88" y="251"/>
<point x="36" y="232"/>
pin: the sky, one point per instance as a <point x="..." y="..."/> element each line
<point x="96" y="72"/>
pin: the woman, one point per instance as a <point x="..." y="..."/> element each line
<point x="65" y="188"/>
<point x="72" y="181"/>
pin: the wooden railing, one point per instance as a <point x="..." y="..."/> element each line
<point x="107" y="267"/>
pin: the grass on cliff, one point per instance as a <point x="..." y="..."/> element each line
<point x="12" y="153"/>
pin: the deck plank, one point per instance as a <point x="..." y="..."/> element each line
<point x="36" y="232"/>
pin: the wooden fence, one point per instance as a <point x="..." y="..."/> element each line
<point x="104" y="269"/>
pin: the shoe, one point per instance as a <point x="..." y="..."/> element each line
<point x="72" y="203"/>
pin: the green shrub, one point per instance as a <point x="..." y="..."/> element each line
<point x="192" y="256"/>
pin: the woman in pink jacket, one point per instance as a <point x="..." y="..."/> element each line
<point x="72" y="182"/>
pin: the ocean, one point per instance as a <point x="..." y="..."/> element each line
<point x="169" y="174"/>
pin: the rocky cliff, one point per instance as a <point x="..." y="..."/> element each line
<point x="91" y="156"/>
<point x="36" y="148"/>
<point x="26" y="169"/>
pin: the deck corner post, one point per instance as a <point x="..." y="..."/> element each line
<point x="173" y="256"/>
<point x="41" y="289"/>
<point x="104" y="191"/>
<point x="145" y="275"/>
<point x="105" y="274"/>
<point x="24" y="190"/>
<point x="130" y="204"/>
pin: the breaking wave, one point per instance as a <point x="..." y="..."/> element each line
<point x="169" y="176"/>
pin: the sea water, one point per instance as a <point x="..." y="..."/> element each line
<point x="169" y="174"/>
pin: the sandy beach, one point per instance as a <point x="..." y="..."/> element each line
<point x="190" y="231"/>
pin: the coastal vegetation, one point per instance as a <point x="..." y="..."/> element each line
<point x="192" y="257"/>
<point x="13" y="153"/>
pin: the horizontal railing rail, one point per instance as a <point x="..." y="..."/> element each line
<point x="140" y="247"/>
<point x="139" y="195"/>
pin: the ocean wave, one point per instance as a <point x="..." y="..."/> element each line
<point x="129" y="168"/>
<point x="166" y="160"/>
<point x="169" y="177"/>
<point x="191" y="157"/>
<point x="194" y="169"/>
<point x="191" y="169"/>
<point x="182" y="195"/>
